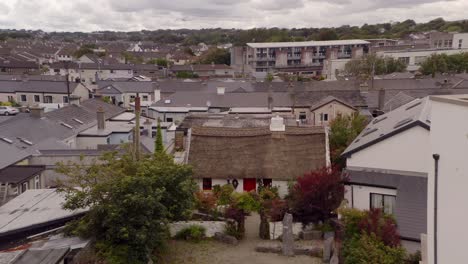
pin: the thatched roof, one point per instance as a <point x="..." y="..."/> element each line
<point x="236" y="153"/>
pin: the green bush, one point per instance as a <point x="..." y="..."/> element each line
<point x="414" y="258"/>
<point x="224" y="194"/>
<point x="351" y="219"/>
<point x="367" y="249"/>
<point x="192" y="233"/>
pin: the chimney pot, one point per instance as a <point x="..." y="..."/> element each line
<point x="36" y="111"/>
<point x="101" y="121"/>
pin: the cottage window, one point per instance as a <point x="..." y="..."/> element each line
<point x="24" y="187"/>
<point x="48" y="99"/>
<point x="207" y="184"/>
<point x="37" y="182"/>
<point x="65" y="99"/>
<point x="323" y="117"/>
<point x="383" y="201"/>
<point x="169" y="119"/>
<point x="145" y="98"/>
<point x="37" y="98"/>
<point x="23" y="98"/>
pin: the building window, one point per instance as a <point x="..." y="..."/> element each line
<point x="111" y="71"/>
<point x="108" y="140"/>
<point x="65" y="99"/>
<point x="23" y="98"/>
<point x="460" y="42"/>
<point x="37" y="98"/>
<point x="405" y="60"/>
<point x="383" y="201"/>
<point x="24" y="187"/>
<point x="207" y="184"/>
<point x="37" y="183"/>
<point x="10" y="98"/>
<point x="323" y="117"/>
<point x="267" y="182"/>
<point x="419" y="59"/>
<point x="145" y="98"/>
<point x="169" y="119"/>
<point x="48" y="99"/>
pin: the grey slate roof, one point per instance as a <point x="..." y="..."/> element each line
<point x="126" y="87"/>
<point x="29" y="134"/>
<point x="396" y="101"/>
<point x="17" y="174"/>
<point x="415" y="113"/>
<point x="411" y="201"/>
<point x="227" y="100"/>
<point x="35" y="86"/>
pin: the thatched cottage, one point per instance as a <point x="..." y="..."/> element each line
<point x="248" y="151"/>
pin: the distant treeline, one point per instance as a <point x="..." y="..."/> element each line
<point x="240" y="37"/>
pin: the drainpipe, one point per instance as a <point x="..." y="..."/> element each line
<point x="436" y="176"/>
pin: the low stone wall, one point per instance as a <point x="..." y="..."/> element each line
<point x="211" y="226"/>
<point x="276" y="229"/>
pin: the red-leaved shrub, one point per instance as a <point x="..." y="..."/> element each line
<point x="383" y="226"/>
<point x="317" y="194"/>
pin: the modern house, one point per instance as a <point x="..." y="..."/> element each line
<point x="388" y="164"/>
<point x="123" y="93"/>
<point x="305" y="57"/>
<point x="448" y="171"/>
<point x="247" y="151"/>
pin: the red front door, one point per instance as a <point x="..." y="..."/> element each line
<point x="249" y="184"/>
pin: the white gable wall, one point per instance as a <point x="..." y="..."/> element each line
<point x="449" y="139"/>
<point x="406" y="151"/>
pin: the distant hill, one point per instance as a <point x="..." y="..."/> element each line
<point x="240" y="37"/>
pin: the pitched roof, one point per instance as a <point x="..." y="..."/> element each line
<point x="396" y="101"/>
<point x="327" y="100"/>
<point x="17" y="174"/>
<point x="26" y="134"/>
<point x="36" y="86"/>
<point x="126" y="87"/>
<point x="255" y="152"/>
<point x="33" y="209"/>
<point x="415" y="113"/>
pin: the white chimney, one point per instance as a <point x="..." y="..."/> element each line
<point x="157" y="92"/>
<point x="221" y="90"/>
<point x="277" y="124"/>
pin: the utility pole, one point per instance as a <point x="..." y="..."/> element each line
<point x="68" y="82"/>
<point x="136" y="139"/>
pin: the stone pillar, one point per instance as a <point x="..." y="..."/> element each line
<point x="287" y="237"/>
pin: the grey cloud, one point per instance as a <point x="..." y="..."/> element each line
<point x="89" y="15"/>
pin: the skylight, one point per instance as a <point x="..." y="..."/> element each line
<point x="26" y="141"/>
<point x="403" y="122"/>
<point x="66" y="125"/>
<point x="78" y="121"/>
<point x="413" y="105"/>
<point x="377" y="120"/>
<point x="7" y="140"/>
<point x="370" y="132"/>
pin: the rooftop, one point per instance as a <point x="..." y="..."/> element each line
<point x="307" y="43"/>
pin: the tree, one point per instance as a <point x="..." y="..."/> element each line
<point x="316" y="195"/>
<point x="158" y="144"/>
<point x="159" y="61"/>
<point x="216" y="56"/>
<point x="434" y="64"/>
<point x="343" y="130"/>
<point x="130" y="202"/>
<point x="370" y="65"/>
<point x="328" y="34"/>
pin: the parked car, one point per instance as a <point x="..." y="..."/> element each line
<point x="8" y="110"/>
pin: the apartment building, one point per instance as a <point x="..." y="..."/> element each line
<point x="305" y="57"/>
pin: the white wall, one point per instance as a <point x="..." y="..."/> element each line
<point x="412" y="66"/>
<point x="90" y="142"/>
<point x="449" y="139"/>
<point x="460" y="36"/>
<point x="359" y="196"/>
<point x="282" y="185"/>
<point x="406" y="151"/>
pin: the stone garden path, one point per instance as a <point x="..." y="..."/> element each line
<point x="213" y="252"/>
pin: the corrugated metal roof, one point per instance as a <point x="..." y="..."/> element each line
<point x="32" y="208"/>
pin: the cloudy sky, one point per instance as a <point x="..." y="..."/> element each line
<point x="126" y="15"/>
